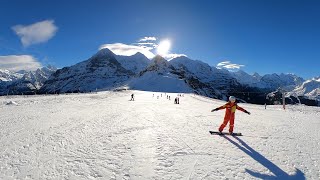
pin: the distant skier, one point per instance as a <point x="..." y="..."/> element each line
<point x="132" y="97"/>
<point x="230" y="107"/>
<point x="176" y="100"/>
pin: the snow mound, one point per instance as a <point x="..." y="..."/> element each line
<point x="12" y="103"/>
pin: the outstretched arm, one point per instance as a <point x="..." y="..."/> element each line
<point x="243" y="110"/>
<point x="218" y="108"/>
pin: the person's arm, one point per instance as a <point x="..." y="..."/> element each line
<point x="243" y="110"/>
<point x="218" y="108"/>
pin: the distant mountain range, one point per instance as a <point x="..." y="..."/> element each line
<point x="108" y="71"/>
<point x="24" y="82"/>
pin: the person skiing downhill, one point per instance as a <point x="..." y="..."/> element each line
<point x="231" y="108"/>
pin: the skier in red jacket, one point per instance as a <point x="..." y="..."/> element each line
<point x="230" y="107"/>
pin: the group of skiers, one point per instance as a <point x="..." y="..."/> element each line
<point x="176" y="100"/>
<point x="231" y="106"/>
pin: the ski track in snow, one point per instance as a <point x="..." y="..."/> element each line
<point x="106" y="136"/>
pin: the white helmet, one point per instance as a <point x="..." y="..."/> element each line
<point x="232" y="98"/>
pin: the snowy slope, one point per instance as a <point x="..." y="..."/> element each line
<point x="159" y="76"/>
<point x="105" y="136"/>
<point x="166" y="82"/>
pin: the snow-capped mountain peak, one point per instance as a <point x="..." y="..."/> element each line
<point x="139" y="55"/>
<point x="257" y="76"/>
<point x="135" y="63"/>
<point x="103" y="52"/>
<point x="159" y="60"/>
<point x="159" y="65"/>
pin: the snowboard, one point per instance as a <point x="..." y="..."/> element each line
<point x="224" y="133"/>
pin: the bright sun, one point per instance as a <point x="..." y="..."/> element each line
<point x="163" y="47"/>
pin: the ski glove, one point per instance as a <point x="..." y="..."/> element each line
<point x="247" y="112"/>
<point x="216" y="109"/>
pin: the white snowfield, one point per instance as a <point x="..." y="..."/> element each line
<point x="106" y="136"/>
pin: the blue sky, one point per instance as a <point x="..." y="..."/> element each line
<point x="264" y="36"/>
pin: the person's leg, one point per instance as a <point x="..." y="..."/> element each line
<point x="231" y="125"/>
<point x="225" y="122"/>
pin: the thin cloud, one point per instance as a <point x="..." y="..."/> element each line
<point x="35" y="33"/>
<point x="145" y="43"/>
<point x="143" y="46"/>
<point x="19" y="62"/>
<point x="128" y="50"/>
<point x="148" y="39"/>
<point x="228" y="65"/>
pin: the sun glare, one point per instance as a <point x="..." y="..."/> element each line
<point x="163" y="47"/>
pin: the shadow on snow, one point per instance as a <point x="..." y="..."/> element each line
<point x="277" y="171"/>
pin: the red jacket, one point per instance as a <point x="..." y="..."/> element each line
<point x="231" y="108"/>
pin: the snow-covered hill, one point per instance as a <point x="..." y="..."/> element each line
<point x="106" y="136"/>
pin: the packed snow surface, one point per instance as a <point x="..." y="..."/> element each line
<point x="106" y="136"/>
